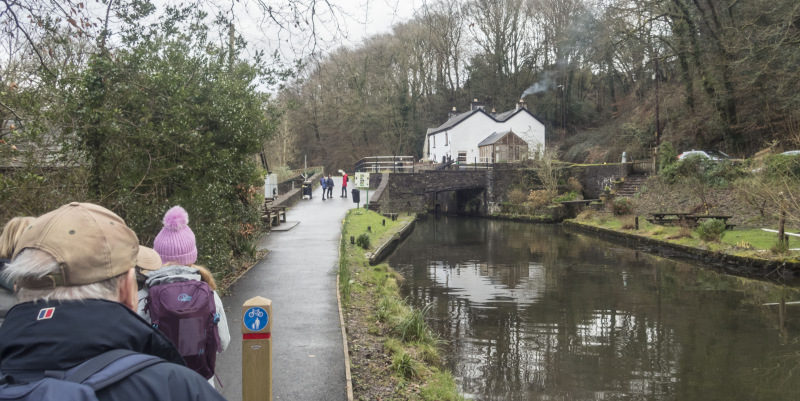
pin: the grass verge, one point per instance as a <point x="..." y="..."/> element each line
<point x="393" y="353"/>
<point x="753" y="242"/>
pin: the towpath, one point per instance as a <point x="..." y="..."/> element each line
<point x="299" y="276"/>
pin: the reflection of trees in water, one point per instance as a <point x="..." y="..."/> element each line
<point x="531" y="313"/>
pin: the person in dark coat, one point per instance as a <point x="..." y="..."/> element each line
<point x="324" y="183"/>
<point x="76" y="275"/>
<point x="330" y="186"/>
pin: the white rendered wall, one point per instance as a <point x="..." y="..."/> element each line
<point x="469" y="133"/>
<point x="527" y="128"/>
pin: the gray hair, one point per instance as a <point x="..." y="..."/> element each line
<point x="35" y="264"/>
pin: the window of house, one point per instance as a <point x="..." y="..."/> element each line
<point x="462" y="156"/>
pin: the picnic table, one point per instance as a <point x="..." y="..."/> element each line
<point x="687" y="219"/>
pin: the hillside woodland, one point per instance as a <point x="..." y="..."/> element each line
<point x="605" y="77"/>
<point x="140" y="106"/>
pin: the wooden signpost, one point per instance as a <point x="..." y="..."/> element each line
<point x="257" y="349"/>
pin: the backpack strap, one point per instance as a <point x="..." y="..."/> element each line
<point x="106" y="368"/>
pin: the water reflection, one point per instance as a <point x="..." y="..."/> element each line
<point x="533" y="313"/>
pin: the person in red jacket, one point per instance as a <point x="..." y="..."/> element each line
<point x="344" y="185"/>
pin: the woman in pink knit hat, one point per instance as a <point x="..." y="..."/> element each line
<point x="176" y="246"/>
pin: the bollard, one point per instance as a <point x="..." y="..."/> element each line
<point x="257" y="350"/>
<point x="636" y="220"/>
<point x="352" y="240"/>
<point x="384" y="222"/>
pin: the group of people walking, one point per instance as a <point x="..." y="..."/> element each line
<point x="129" y="320"/>
<point x="327" y="186"/>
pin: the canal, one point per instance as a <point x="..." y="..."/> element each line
<point x="533" y="312"/>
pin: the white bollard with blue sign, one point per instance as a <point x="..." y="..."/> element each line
<point x="257" y="349"/>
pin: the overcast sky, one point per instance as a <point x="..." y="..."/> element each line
<point x="338" y="22"/>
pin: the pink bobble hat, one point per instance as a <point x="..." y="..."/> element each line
<point x="175" y="242"/>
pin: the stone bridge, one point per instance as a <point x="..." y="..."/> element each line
<point x="476" y="191"/>
<point x="450" y="191"/>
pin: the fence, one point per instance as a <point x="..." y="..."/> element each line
<point x="645" y="166"/>
<point x="386" y="164"/>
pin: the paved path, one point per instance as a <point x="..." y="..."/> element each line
<point x="299" y="276"/>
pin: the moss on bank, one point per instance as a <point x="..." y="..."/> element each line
<point x="393" y="353"/>
<point x="752" y="251"/>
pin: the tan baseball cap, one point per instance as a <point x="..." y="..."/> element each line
<point x="148" y="258"/>
<point x="89" y="242"/>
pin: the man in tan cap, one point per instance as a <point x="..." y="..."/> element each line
<point x="76" y="273"/>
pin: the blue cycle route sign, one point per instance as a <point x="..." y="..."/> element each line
<point x="256" y="318"/>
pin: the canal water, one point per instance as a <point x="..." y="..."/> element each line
<point x="533" y="312"/>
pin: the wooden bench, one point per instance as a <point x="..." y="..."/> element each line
<point x="668" y="219"/>
<point x="698" y="217"/>
<point x="273" y="215"/>
<point x="686" y="219"/>
<point x="583" y="202"/>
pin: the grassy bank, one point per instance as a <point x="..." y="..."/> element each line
<point x="745" y="242"/>
<point x="393" y="353"/>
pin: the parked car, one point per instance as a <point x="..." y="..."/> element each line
<point x="791" y="153"/>
<point x="708" y="154"/>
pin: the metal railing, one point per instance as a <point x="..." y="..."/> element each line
<point x="385" y="164"/>
<point x="644" y="166"/>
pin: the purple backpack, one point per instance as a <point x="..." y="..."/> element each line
<point x="186" y="313"/>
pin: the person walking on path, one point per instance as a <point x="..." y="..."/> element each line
<point x="176" y="246"/>
<point x="330" y="186"/>
<point x="75" y="270"/>
<point x="324" y="183"/>
<point x="344" y="185"/>
<point x="298" y="275"/>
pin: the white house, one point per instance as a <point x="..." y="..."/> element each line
<point x="459" y="137"/>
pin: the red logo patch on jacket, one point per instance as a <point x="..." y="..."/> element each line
<point x="46" y="313"/>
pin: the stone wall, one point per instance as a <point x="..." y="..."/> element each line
<point x="419" y="192"/>
<point x="502" y="180"/>
<point x="595" y="177"/>
<point x="422" y="191"/>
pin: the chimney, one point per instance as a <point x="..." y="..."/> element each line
<point x="477" y="105"/>
<point x="494" y="112"/>
<point x="522" y="105"/>
<point x="452" y="113"/>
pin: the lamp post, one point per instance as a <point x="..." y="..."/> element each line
<point x="563" y="111"/>
<point x="656" y="78"/>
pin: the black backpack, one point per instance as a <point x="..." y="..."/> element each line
<point x="80" y="382"/>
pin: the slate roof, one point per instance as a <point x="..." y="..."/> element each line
<point x="506" y="115"/>
<point x="496" y="136"/>
<point x="502" y="117"/>
<point x="455" y="120"/>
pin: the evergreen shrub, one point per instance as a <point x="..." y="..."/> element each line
<point x="363" y="241"/>
<point x="622" y="206"/>
<point x="711" y="230"/>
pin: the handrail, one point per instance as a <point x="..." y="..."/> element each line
<point x="392" y="164"/>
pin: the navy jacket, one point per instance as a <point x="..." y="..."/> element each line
<point x="79" y="330"/>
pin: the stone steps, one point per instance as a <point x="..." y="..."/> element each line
<point x="632" y="184"/>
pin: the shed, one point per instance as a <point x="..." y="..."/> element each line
<point x="503" y="147"/>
